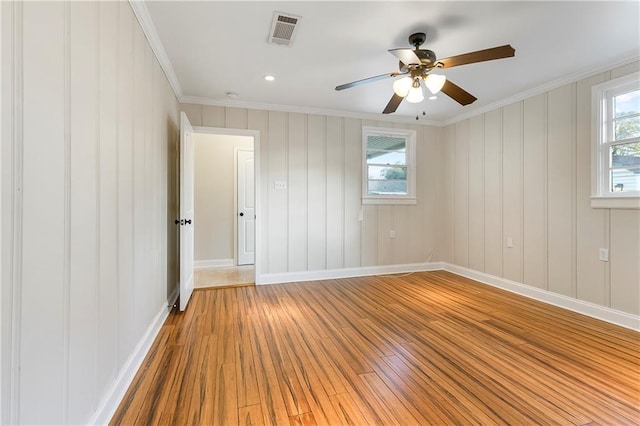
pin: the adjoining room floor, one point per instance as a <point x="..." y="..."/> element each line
<point x="224" y="276"/>
<point x="429" y="348"/>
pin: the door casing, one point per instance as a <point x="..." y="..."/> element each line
<point x="255" y="134"/>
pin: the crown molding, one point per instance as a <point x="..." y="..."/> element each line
<point x="567" y="79"/>
<point x="142" y="14"/>
<point x="306" y="110"/>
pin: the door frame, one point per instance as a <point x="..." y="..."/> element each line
<point x="255" y="134"/>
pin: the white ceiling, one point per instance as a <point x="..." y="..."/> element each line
<point x="217" y="47"/>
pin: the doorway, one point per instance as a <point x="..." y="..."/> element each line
<point x="225" y="228"/>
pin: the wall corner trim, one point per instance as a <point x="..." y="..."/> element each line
<point x="113" y="397"/>
<point x="592" y="310"/>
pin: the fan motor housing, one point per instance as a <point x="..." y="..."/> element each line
<point x="427" y="57"/>
<point x="427" y="60"/>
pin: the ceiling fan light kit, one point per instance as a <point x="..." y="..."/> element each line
<point x="434" y="82"/>
<point x="402" y="86"/>
<point x="415" y="93"/>
<point x="416" y="66"/>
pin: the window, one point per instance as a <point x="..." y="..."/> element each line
<point x="616" y="152"/>
<point x="389" y="175"/>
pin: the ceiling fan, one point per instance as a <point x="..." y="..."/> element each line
<point x="416" y="66"/>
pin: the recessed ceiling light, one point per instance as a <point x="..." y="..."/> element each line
<point x="269" y="77"/>
<point x="431" y="98"/>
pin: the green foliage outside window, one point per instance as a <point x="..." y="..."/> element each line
<point x="395" y="173"/>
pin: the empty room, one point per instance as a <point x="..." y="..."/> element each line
<point x="320" y="213"/>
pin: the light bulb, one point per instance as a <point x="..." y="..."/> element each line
<point x="402" y="86"/>
<point x="434" y="82"/>
<point x="415" y="94"/>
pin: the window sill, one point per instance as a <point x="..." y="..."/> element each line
<point x="629" y="202"/>
<point x="390" y="201"/>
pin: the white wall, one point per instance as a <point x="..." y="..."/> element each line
<point x="214" y="195"/>
<point x="524" y="171"/>
<point x="314" y="225"/>
<point x="88" y="148"/>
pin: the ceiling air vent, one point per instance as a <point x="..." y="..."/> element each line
<point x="283" y="29"/>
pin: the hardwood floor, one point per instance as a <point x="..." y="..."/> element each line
<point x="429" y="348"/>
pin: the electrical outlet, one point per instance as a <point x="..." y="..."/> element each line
<point x="280" y="184"/>
<point x="603" y="254"/>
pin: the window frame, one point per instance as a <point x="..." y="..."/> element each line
<point x="410" y="159"/>
<point x="602" y="141"/>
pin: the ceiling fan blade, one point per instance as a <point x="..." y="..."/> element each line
<point x="367" y="80"/>
<point x="393" y="104"/>
<point x="499" y="52"/>
<point x="457" y="93"/>
<point x="406" y="56"/>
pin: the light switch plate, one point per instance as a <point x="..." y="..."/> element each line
<point x="603" y="254"/>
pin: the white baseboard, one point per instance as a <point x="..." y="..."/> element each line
<point x="330" y="274"/>
<point x="114" y="395"/>
<point x="603" y="313"/>
<point x="612" y="316"/>
<point x="212" y="263"/>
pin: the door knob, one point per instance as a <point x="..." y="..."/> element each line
<point x="241" y="214"/>
<point x="188" y="221"/>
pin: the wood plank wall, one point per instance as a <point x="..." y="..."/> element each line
<point x="524" y="172"/>
<point x="315" y="224"/>
<point x="89" y="148"/>
<point x="93" y="146"/>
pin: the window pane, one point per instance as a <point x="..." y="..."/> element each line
<point x="385" y="157"/>
<point x="627" y="103"/>
<point x="625" y="164"/>
<point x="387" y="187"/>
<point x="386" y="173"/>
<point x="625" y="155"/>
<point x="627" y="128"/>
<point x="625" y="180"/>
<point x="385" y="143"/>
<point x="388" y="154"/>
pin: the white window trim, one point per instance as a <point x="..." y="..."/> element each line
<point x="601" y="196"/>
<point x="410" y="137"/>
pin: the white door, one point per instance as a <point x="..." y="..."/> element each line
<point x="246" y="209"/>
<point x="185" y="221"/>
